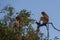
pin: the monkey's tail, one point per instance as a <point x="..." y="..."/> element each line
<point x="54" y="27"/>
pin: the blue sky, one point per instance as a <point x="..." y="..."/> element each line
<point x="51" y="7"/>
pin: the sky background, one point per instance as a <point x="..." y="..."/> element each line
<point x="51" y="7"/>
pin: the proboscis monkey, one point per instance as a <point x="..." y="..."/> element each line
<point x="44" y="19"/>
<point x="20" y="23"/>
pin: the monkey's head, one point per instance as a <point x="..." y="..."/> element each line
<point x="17" y="18"/>
<point x="43" y="13"/>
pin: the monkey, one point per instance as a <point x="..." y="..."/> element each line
<point x="19" y="22"/>
<point x="44" y="19"/>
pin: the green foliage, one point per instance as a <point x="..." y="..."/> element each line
<point x="7" y="32"/>
<point x="30" y="30"/>
<point x="9" y="9"/>
<point x="9" y="12"/>
<point x="24" y="17"/>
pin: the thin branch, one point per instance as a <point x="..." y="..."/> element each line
<point x="47" y="27"/>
